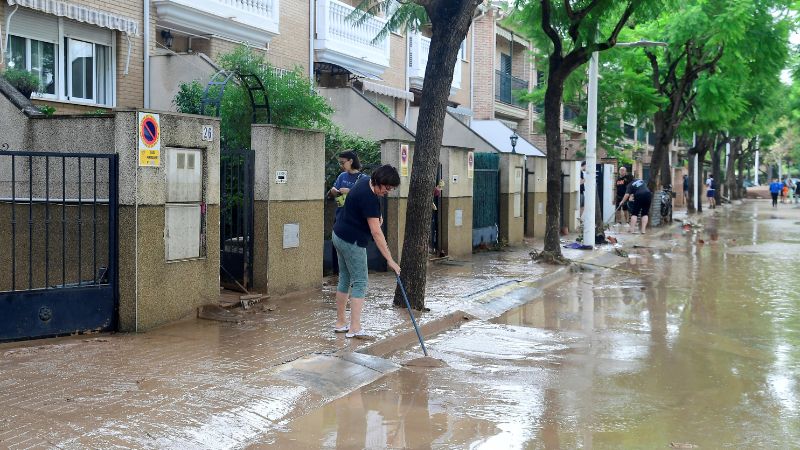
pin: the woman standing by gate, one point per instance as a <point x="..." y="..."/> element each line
<point x="360" y="222"/>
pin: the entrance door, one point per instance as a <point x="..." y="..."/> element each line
<point x="486" y="199"/>
<point x="58" y="244"/>
<point x="237" y="176"/>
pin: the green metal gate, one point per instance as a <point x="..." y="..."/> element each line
<point x="486" y="199"/>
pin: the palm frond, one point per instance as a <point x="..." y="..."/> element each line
<point x="401" y="16"/>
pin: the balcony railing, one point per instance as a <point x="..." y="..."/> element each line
<point x="344" y="42"/>
<point x="253" y="21"/>
<point x="418" y="48"/>
<point x="507" y="89"/>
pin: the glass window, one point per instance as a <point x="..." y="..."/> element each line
<point x="80" y="61"/>
<point x="102" y="74"/>
<point x="17" y="54"/>
<point x="43" y="65"/>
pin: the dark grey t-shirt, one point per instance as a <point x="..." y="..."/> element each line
<point x="637" y="187"/>
<point x="352" y="226"/>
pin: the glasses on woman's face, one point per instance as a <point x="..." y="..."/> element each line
<point x="343" y="161"/>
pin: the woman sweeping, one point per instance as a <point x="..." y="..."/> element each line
<point x="358" y="223"/>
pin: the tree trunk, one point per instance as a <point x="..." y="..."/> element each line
<point x="740" y="191"/>
<point x="704" y="142"/>
<point x="730" y="175"/>
<point x="450" y="20"/>
<point x="659" y="160"/>
<point x="716" y="157"/>
<point x="552" y="126"/>
<point x="690" y="200"/>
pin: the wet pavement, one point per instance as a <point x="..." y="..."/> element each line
<point x="694" y="342"/>
<point x="220" y="384"/>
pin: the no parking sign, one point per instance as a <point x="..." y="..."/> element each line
<point x="149" y="131"/>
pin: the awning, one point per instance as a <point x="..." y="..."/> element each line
<point x="387" y="90"/>
<point x="82" y="14"/>
<point x="509" y="36"/>
<point x="338" y="69"/>
<point x="497" y="134"/>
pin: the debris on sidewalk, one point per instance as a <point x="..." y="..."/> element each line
<point x="578" y="246"/>
<point x="219" y="314"/>
<point x="681" y="445"/>
<point x="549" y="257"/>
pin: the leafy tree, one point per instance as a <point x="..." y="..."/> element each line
<point x="449" y="21"/>
<point x="292" y="99"/>
<point x="569" y="32"/>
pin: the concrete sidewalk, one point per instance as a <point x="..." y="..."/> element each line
<point x="222" y="384"/>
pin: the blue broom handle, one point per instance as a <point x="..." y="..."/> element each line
<point x="408" y="305"/>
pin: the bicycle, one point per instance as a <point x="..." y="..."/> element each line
<point x="666" y="203"/>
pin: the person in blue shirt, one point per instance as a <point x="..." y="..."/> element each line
<point x="351" y="172"/>
<point x="775" y="189"/>
<point x="359" y="223"/>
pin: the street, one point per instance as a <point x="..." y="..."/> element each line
<point x="689" y="341"/>
<point x="700" y="348"/>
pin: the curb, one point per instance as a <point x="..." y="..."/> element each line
<point x="485" y="306"/>
<point x="408" y="338"/>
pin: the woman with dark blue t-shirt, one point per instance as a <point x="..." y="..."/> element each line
<point x="360" y="222"/>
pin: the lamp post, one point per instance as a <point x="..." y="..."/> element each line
<point x="590" y="180"/>
<point x="513" y="138"/>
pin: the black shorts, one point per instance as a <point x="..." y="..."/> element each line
<point x="641" y="204"/>
<point x="624" y="205"/>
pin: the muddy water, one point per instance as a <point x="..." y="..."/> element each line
<point x="700" y="347"/>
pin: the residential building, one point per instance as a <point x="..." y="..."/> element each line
<point x="88" y="54"/>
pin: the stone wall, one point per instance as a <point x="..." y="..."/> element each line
<point x="284" y="262"/>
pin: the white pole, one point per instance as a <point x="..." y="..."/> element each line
<point x="590" y="181"/>
<point x="755" y="180"/>
<point x="780" y="169"/>
<point x="727" y="155"/>
<point x="146" y="52"/>
<point x="695" y="174"/>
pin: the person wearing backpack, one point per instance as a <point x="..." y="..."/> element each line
<point x="775" y="189"/>
<point x="796" y="192"/>
<point x="711" y="190"/>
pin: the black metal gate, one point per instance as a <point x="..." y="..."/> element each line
<point x="237" y="179"/>
<point x="486" y="199"/>
<point x="58" y="244"/>
<point x="436" y="217"/>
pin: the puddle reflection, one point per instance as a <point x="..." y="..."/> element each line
<point x="702" y="347"/>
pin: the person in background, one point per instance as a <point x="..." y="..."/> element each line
<point x="622" y="186"/>
<point x="686" y="190"/>
<point x="640" y="206"/>
<point x="789" y="190"/>
<point x="351" y="172"/>
<point x="583" y="188"/>
<point x="360" y="222"/>
<point x="775" y="189"/>
<point x="711" y="191"/>
<point x="796" y="192"/>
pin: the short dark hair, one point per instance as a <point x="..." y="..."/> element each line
<point x="386" y="175"/>
<point x="351" y="155"/>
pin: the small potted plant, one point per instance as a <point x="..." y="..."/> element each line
<point x="25" y="82"/>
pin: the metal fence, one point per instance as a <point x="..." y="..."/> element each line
<point x="58" y="243"/>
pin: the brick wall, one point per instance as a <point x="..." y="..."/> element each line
<point x="290" y="49"/>
<point x="483" y="62"/>
<point x="130" y="87"/>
